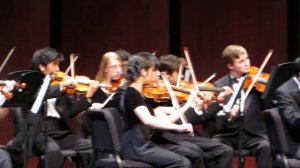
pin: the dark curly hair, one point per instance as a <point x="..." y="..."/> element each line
<point x="139" y="61"/>
<point x="44" y="56"/>
<point x="170" y="63"/>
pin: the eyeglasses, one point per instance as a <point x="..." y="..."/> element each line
<point x="115" y="67"/>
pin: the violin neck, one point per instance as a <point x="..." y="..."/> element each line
<point x="213" y="89"/>
<point x="201" y="88"/>
<point x="180" y="89"/>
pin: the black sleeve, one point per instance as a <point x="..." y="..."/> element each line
<point x="210" y="113"/>
<point x="99" y="96"/>
<point x="133" y="99"/>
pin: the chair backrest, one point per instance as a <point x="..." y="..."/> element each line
<point x="106" y="129"/>
<point x="276" y="130"/>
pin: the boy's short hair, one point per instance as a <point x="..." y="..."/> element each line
<point x="44" y="56"/>
<point x="232" y="52"/>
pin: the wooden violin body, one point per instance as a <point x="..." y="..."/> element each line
<point x="261" y="83"/>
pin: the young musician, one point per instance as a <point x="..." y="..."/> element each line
<point x="212" y="151"/>
<point x="124" y="55"/>
<point x="246" y="130"/>
<point x="289" y="107"/>
<point x="60" y="108"/>
<point x="5" y="161"/>
<point x="110" y="73"/>
<point x="136" y="145"/>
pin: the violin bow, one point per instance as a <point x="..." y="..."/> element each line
<point x="187" y="55"/>
<point x="110" y="97"/>
<point x="72" y="65"/>
<point x="227" y="107"/>
<point x="211" y="77"/>
<point x="7" y="58"/>
<point x="174" y="100"/>
<point x="179" y="74"/>
<point x="69" y="68"/>
<point x="267" y="58"/>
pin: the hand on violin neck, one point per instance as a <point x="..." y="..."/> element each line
<point x="93" y="86"/>
<point x="67" y="82"/>
<point x="223" y="95"/>
<point x="207" y="98"/>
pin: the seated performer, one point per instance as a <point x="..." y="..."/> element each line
<point x="5" y="161"/>
<point x="142" y="68"/>
<point x="61" y="107"/>
<point x="246" y="130"/>
<point x="288" y="97"/>
<point x="110" y="74"/>
<point x="4" y="157"/>
<point x="219" y="153"/>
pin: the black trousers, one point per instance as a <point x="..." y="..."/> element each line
<point x="136" y="147"/>
<point x="53" y="154"/>
<point x="217" y="154"/>
<point x="259" y="146"/>
<point x="188" y="150"/>
<point x="4" y="159"/>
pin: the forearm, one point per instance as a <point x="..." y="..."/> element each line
<point x="159" y="123"/>
<point x="169" y="114"/>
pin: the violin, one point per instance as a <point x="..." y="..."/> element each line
<point x="261" y="83"/>
<point x="82" y="83"/>
<point x="159" y="93"/>
<point x="203" y="87"/>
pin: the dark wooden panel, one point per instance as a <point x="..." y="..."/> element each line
<point x="208" y="26"/>
<point x="24" y="24"/>
<point x="94" y="27"/>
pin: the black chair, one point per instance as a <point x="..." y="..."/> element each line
<point x="71" y="156"/>
<point x="106" y="130"/>
<point x="278" y="140"/>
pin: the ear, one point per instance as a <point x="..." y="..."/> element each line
<point x="144" y="72"/>
<point x="230" y="66"/>
<point x="165" y="74"/>
<point x="105" y="70"/>
<point x="42" y="68"/>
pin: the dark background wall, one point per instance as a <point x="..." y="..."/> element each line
<point x="91" y="28"/>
